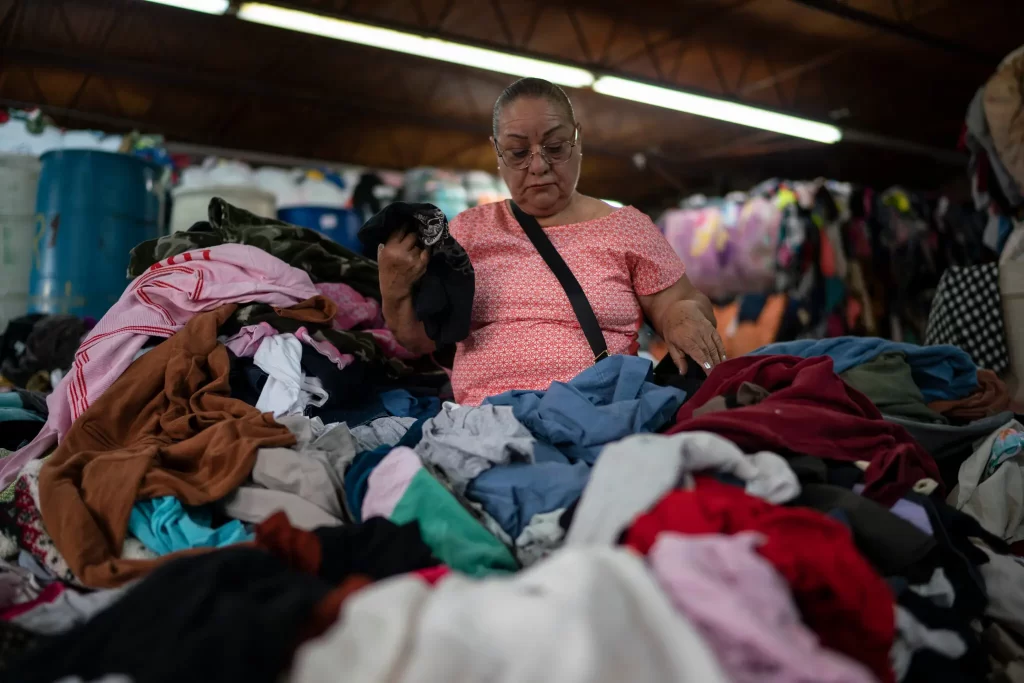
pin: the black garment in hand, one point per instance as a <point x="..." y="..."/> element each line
<point x="230" y="615"/>
<point x="443" y="297"/>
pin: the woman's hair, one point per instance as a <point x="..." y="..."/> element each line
<point x="531" y="87"/>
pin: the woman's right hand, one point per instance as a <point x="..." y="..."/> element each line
<point x="401" y="263"/>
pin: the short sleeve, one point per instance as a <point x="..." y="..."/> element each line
<point x="653" y="265"/>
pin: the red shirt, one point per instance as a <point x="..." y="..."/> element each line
<point x="524" y="333"/>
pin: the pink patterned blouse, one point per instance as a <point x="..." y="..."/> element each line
<point x="524" y="333"/>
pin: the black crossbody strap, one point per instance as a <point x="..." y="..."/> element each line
<point x="580" y="305"/>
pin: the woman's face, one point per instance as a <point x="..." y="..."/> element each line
<point x="529" y="124"/>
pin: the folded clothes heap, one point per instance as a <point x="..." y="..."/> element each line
<point x="243" y="477"/>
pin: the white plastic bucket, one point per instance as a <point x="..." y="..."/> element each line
<point x="19" y="177"/>
<point x="191" y="205"/>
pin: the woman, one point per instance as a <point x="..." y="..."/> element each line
<point x="524" y="332"/>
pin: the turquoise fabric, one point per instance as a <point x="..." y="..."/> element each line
<point x="452" y="534"/>
<point x="165" y="526"/>
<point x="13" y="410"/>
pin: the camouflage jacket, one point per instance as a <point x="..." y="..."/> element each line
<point x="324" y="259"/>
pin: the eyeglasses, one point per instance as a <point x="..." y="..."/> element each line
<point x="554" y="153"/>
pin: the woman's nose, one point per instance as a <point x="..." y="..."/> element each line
<point x="538" y="164"/>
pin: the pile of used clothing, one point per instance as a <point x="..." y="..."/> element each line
<point x="244" y="477"/>
<point x="36" y="351"/>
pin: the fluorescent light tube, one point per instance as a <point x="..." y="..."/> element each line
<point x="717" y="109"/>
<point x="410" y="43"/>
<point x="612" y="203"/>
<point x="205" y="6"/>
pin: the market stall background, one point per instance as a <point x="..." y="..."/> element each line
<point x="869" y="66"/>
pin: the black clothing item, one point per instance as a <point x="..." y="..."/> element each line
<point x="666" y="374"/>
<point x="443" y="297"/>
<point x="364" y="200"/>
<point x="229" y="615"/>
<point x="12" y="341"/>
<point x="17" y="433"/>
<point x="245" y="379"/>
<point x="34" y="401"/>
<point x="15" y="643"/>
<point x="938" y="667"/>
<point x="50" y="346"/>
<point x="377" y="548"/>
<point x="750" y="307"/>
<point x="955" y="553"/>
<point x="890" y="543"/>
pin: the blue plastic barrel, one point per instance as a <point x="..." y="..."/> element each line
<point x="341" y="225"/>
<point x="92" y="207"/>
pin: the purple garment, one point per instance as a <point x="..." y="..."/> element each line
<point x="913" y="513"/>
<point x="743" y="608"/>
<point x="910" y="511"/>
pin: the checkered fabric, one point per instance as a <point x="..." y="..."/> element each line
<point x="968" y="312"/>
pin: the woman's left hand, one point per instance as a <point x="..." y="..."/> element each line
<point x="687" y="332"/>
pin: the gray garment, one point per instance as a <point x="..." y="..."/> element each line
<point x="938" y="589"/>
<point x="68" y="610"/>
<point x="541" y="537"/>
<point x="464" y="441"/>
<point x="27" y="560"/>
<point x="382" y="431"/>
<point x="1004" y="582"/>
<point x="309" y="474"/>
<point x="17" y="585"/>
<point x="995" y="499"/>
<point x="253" y="504"/>
<point x="912" y="635"/>
<point x="945" y="441"/>
<point x="314" y="469"/>
<point x="632" y="475"/>
<point x="980" y="139"/>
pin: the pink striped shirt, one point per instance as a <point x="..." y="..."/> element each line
<point x="157" y="304"/>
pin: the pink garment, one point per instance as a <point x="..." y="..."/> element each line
<point x="326" y="349"/>
<point x="389" y="345"/>
<point x="358" y="312"/>
<point x="245" y="342"/>
<point x="743" y="608"/>
<point x="388" y="482"/>
<point x="524" y="333"/>
<point x="248" y="339"/>
<point x="157" y="304"/>
<point x="354" y="309"/>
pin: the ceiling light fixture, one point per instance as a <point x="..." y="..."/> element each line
<point x="722" y="110"/>
<point x="410" y="43"/>
<point x="205" y="6"/>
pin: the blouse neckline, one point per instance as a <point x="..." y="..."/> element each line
<point x="508" y="213"/>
